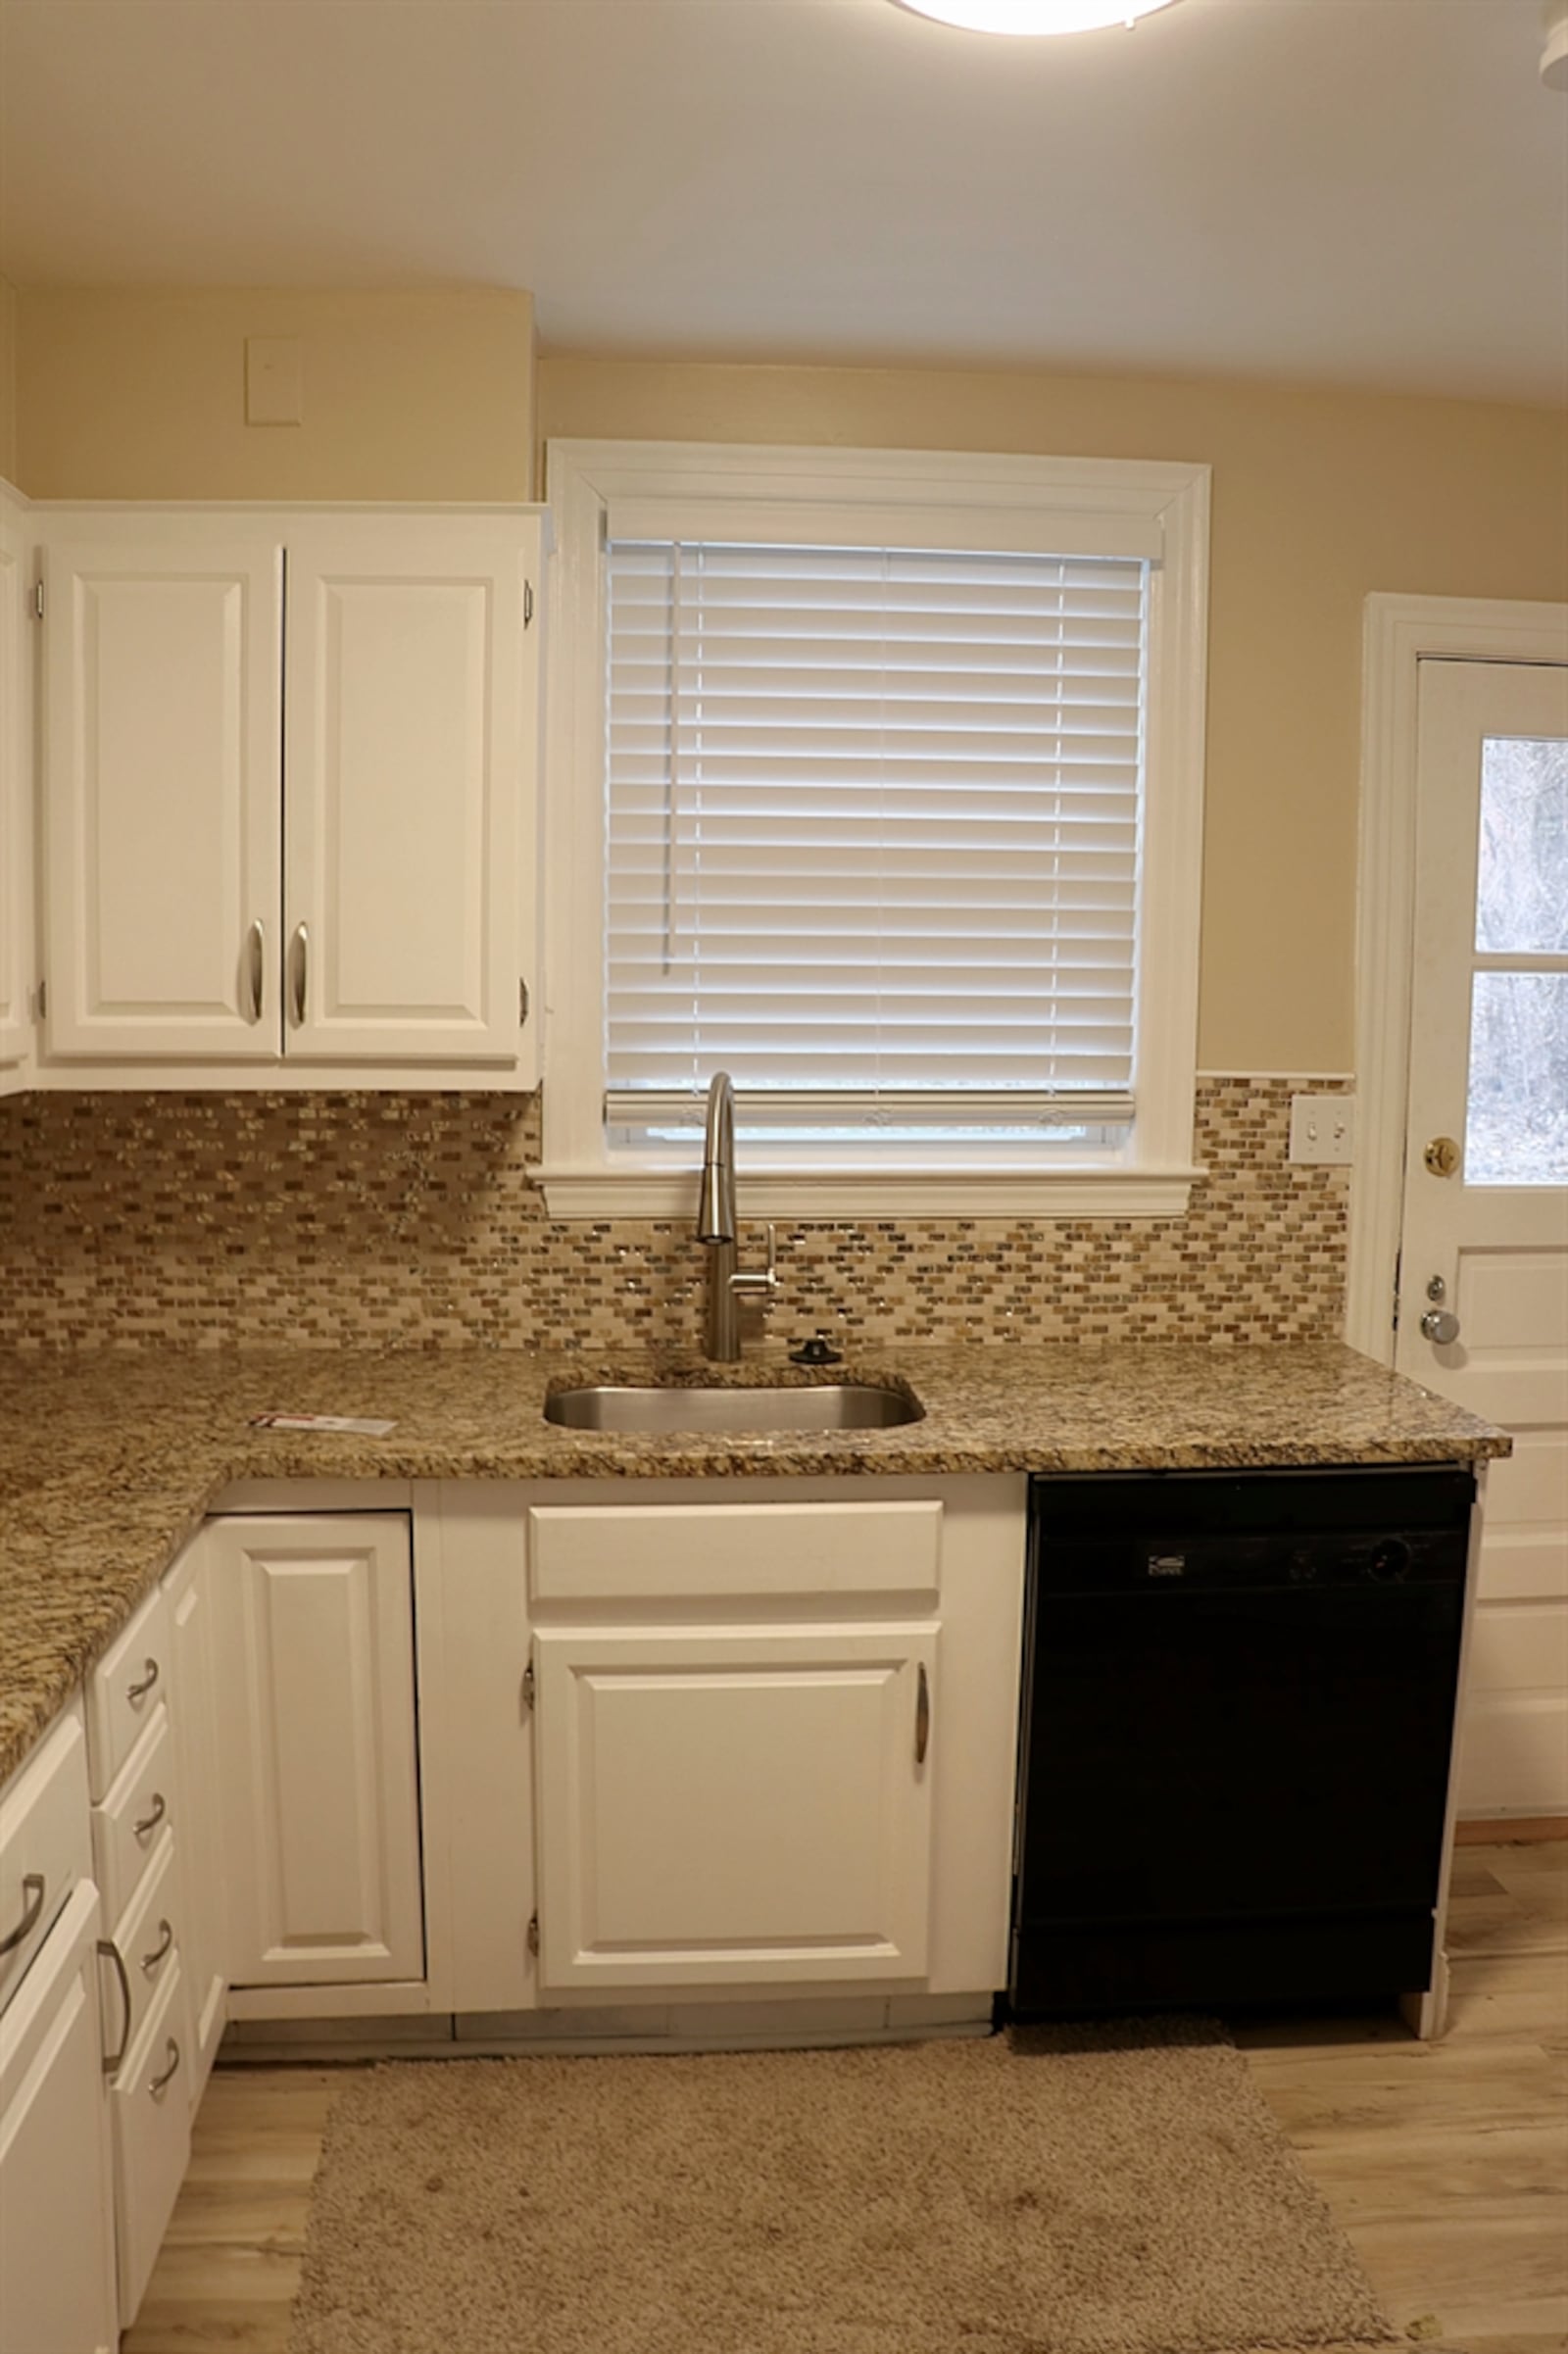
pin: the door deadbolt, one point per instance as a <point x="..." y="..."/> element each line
<point x="1441" y="1157"/>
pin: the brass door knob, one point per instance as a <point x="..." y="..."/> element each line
<point x="1441" y="1157"/>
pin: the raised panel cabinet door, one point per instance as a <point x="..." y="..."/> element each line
<point x="735" y="1808"/>
<point x="193" y="1706"/>
<point x="162" y="785"/>
<point x="16" y="795"/>
<point x="57" y="2212"/>
<point x="316" y="1749"/>
<point x="408" y="759"/>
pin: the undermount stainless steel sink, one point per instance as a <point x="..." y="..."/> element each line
<point x="658" y="1408"/>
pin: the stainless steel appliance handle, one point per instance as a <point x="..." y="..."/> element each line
<point x="32" y="1893"/>
<point x="112" y="1953"/>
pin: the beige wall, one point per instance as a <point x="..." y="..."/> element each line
<point x="7" y="383"/>
<point x="141" y="395"/>
<point x="1319" y="499"/>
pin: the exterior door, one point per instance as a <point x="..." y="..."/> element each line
<point x="1485" y="1229"/>
<point x="734" y="1809"/>
<point x="316" y="1750"/>
<point x="162" y="762"/>
<point x="411" y="665"/>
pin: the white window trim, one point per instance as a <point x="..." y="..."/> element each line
<point x="580" y="1176"/>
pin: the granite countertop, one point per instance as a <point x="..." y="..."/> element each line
<point x="109" y="1461"/>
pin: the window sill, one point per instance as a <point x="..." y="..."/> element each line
<point x="598" y="1192"/>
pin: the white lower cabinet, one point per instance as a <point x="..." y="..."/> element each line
<point x="765" y="1742"/>
<point x="152" y="2108"/>
<point x="188" y="1592"/>
<point x="719" y="1808"/>
<point x="57" y="2256"/>
<point x="315" y="1748"/>
<point x="728" y="1737"/>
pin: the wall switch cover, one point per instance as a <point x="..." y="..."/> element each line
<point x="274" y="380"/>
<point x="1323" y="1128"/>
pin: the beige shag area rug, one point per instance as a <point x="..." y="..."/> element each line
<point x="1116" y="2190"/>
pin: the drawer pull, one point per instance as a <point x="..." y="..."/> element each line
<point x="150" y="1821"/>
<point x="156" y="2083"/>
<point x="32" y="1890"/>
<point x="112" y="1953"/>
<point x="922" y="1715"/>
<point x="166" y="1938"/>
<point x="139" y="1692"/>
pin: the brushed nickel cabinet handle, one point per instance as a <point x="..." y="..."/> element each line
<point x="112" y="1953"/>
<point x="302" y="974"/>
<point x="150" y="1821"/>
<point x="139" y="1692"/>
<point x="922" y="1715"/>
<point x="166" y="1938"/>
<point x="258" y="956"/>
<point x="33" y="1894"/>
<point x="156" y="2083"/>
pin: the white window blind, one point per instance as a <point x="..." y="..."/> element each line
<point x="873" y="834"/>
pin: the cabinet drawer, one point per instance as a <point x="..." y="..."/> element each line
<point x="45" y="1846"/>
<point x="671" y="1553"/>
<point x="141" y="1804"/>
<point x="146" y="1938"/>
<point x="123" y="1690"/>
<point x="152" y="2138"/>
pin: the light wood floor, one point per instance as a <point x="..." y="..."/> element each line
<point x="1446" y="2164"/>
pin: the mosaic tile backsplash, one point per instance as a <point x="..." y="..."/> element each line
<point x="322" y="1221"/>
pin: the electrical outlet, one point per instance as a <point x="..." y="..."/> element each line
<point x="1323" y="1128"/>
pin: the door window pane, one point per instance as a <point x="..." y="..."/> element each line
<point x="1522" y="879"/>
<point x="1516" y="1126"/>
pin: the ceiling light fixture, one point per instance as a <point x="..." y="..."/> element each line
<point x="1555" y="56"/>
<point x="1035" y="15"/>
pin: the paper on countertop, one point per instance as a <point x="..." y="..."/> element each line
<point x="356" y="1426"/>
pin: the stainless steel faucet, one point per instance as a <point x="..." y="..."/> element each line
<point x="727" y="1285"/>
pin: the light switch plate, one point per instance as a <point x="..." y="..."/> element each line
<point x="274" y="380"/>
<point x="1323" y="1128"/>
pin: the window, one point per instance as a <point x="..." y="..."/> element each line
<point x="875" y="780"/>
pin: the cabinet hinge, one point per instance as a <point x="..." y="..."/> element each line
<point x="527" y="603"/>
<point x="533" y="1934"/>
<point x="527" y="1688"/>
<point x="522" y="1004"/>
<point x="37" y="600"/>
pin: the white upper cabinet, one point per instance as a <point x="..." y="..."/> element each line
<point x="161" y="807"/>
<point x="16" y="795"/>
<point x="289" y="771"/>
<point x="410" y="670"/>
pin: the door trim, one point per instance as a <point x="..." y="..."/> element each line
<point x="1397" y="634"/>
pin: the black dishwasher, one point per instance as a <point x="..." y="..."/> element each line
<point x="1239" y="1692"/>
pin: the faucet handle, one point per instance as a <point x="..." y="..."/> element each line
<point x="762" y="1283"/>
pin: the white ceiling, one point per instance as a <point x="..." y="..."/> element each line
<point x="1353" y="192"/>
